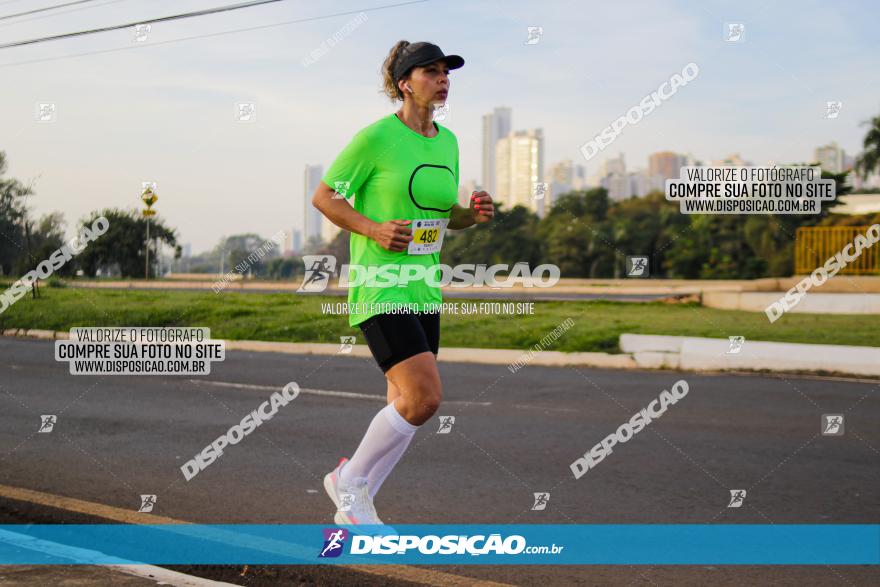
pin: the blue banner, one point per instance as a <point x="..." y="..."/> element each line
<point x="522" y="544"/>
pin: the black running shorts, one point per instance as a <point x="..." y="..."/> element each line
<point x="393" y="338"/>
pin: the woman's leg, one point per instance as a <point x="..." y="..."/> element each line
<point x="392" y="429"/>
<point x="418" y="380"/>
<point x="393" y="393"/>
<point x="383" y="467"/>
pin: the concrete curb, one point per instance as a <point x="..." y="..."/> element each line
<point x="711" y="354"/>
<point x="639" y="352"/>
<point x="447" y="354"/>
<point x="815" y="303"/>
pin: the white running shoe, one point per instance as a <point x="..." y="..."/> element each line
<point x="354" y="506"/>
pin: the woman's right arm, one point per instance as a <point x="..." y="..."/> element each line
<point x="393" y="235"/>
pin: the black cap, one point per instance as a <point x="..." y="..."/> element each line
<point x="421" y="54"/>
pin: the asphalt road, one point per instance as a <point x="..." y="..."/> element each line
<point x="514" y="434"/>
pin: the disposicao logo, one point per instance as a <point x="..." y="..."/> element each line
<point x="334" y="542"/>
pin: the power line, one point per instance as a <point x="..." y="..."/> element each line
<point x="57" y="14"/>
<point x="44" y="9"/>
<point x="208" y="35"/>
<point x="149" y="21"/>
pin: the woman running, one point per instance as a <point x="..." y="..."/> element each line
<point x="403" y="173"/>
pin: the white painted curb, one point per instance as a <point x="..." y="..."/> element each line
<point x="711" y="354"/>
<point x="814" y="303"/>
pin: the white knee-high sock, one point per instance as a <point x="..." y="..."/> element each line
<point x="382" y="446"/>
<point x="386" y="464"/>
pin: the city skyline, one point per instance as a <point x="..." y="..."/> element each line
<point x="519" y="163"/>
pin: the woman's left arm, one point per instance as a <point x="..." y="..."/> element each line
<point x="480" y="210"/>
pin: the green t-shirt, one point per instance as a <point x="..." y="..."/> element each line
<point x="394" y="173"/>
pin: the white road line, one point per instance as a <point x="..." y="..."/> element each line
<point x="82" y="555"/>
<point x="412" y="574"/>
<point x="546" y="409"/>
<point x="167" y="576"/>
<point x="323" y="392"/>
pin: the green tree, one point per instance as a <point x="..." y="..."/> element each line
<point x="285" y="268"/>
<point x="121" y="248"/>
<point x="43" y="238"/>
<point x="649" y="226"/>
<point x="869" y="160"/>
<point x="12" y="217"/>
<point x="508" y="239"/>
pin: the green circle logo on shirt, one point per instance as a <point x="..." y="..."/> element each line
<point x="431" y="187"/>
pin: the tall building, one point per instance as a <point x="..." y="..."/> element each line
<point x="691" y="161"/>
<point x="662" y="166"/>
<point x="619" y="186"/>
<point x="561" y="179"/>
<point x="642" y="183"/>
<point x="292" y="242"/>
<point x="731" y="161"/>
<point x="613" y="166"/>
<point x="297" y="240"/>
<point x="613" y="177"/>
<point x="496" y="126"/>
<point x="579" y="177"/>
<point x="311" y="215"/>
<point x="665" y="165"/>
<point x="831" y="157"/>
<point x="519" y="165"/>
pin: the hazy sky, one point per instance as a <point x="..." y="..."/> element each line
<point x="163" y="110"/>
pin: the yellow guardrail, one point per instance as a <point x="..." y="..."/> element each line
<point x="816" y="244"/>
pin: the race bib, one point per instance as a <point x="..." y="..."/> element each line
<point x="427" y="236"/>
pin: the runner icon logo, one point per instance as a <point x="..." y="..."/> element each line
<point x="46" y="112"/>
<point x="535" y="33"/>
<point x="737" y="496"/>
<point x="47" y="423"/>
<point x="345" y="344"/>
<point x="539" y="190"/>
<point x="340" y="189"/>
<point x="637" y="267"/>
<point x="736" y="32"/>
<point x="736" y="344"/>
<point x="147" y="503"/>
<point x="334" y="541"/>
<point x="832" y="424"/>
<point x="446" y="423"/>
<point x="346" y="500"/>
<point x="319" y="268"/>
<point x="541" y="500"/>
<point x="141" y="31"/>
<point x="832" y="109"/>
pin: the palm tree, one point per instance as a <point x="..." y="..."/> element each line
<point x="869" y="160"/>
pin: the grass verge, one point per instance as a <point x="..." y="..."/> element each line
<point x="299" y="318"/>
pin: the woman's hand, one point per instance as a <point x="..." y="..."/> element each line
<point x="482" y="207"/>
<point x="393" y="235"/>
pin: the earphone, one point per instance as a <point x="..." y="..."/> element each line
<point x="408" y="88"/>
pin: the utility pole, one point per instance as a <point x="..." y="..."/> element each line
<point x="149" y="198"/>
